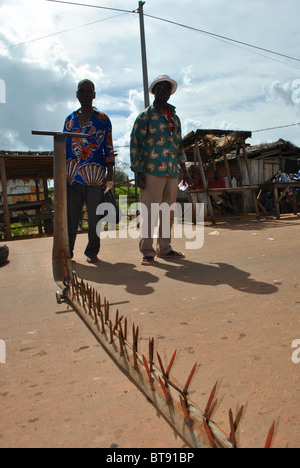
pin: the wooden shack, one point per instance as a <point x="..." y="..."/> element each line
<point x="25" y="167"/>
<point x="204" y="148"/>
<point x="264" y="162"/>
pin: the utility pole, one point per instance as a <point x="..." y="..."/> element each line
<point x="144" y="55"/>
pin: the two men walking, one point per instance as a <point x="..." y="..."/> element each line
<point x="156" y="151"/>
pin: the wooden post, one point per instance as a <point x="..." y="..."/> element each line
<point x="250" y="179"/>
<point x="235" y="207"/>
<point x="295" y="208"/>
<point x="210" y="208"/>
<point x="5" y="200"/>
<point x="277" y="205"/>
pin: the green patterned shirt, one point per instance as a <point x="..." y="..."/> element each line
<point x="154" y="149"/>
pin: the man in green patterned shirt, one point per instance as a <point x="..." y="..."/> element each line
<point x="156" y="151"/>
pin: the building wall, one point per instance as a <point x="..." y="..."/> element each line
<point x="22" y="191"/>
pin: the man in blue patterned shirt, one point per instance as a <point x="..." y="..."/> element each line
<point x="90" y="164"/>
<point x="156" y="151"/>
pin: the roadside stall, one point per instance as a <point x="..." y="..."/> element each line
<point x="34" y="205"/>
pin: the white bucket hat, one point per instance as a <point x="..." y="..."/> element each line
<point x="161" y="78"/>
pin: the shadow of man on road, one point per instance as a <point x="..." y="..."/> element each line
<point x="215" y="274"/>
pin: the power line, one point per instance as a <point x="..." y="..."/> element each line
<point x="92" y="6"/>
<point x="61" y="32"/>
<point x="184" y="26"/>
<point x="275" y="128"/>
<point x="216" y="36"/>
<point x="222" y="37"/>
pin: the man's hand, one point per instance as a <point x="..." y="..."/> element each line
<point x="185" y="175"/>
<point x="141" y="180"/>
<point x="109" y="176"/>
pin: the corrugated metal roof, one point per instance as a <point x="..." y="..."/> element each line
<point x="27" y="165"/>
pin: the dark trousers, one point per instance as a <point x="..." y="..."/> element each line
<point x="79" y="194"/>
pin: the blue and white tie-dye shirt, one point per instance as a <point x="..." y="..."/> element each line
<point x="87" y="158"/>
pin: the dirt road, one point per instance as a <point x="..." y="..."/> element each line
<point x="232" y="306"/>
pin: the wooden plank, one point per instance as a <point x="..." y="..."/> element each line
<point x="5" y="200"/>
<point x="210" y="208"/>
<point x="250" y="178"/>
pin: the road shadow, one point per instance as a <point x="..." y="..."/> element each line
<point x="141" y="283"/>
<point x="135" y="282"/>
<point x="253" y="224"/>
<point x="214" y="274"/>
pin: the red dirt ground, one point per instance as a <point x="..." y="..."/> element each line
<point x="232" y="306"/>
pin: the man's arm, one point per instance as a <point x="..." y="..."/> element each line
<point x="109" y="155"/>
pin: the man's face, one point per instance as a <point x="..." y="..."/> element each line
<point x="162" y="91"/>
<point x="86" y="94"/>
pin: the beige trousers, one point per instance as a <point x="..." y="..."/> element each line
<point x="159" y="190"/>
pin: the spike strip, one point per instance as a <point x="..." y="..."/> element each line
<point x="177" y="410"/>
<point x="195" y="427"/>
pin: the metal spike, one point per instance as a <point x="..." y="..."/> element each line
<point x="151" y="353"/>
<point x="95" y="315"/>
<point x="270" y="436"/>
<point x="117" y="324"/>
<point x="117" y="319"/>
<point x="161" y="365"/>
<point x="106" y="310"/>
<point x="135" y="333"/>
<point x="185" y="390"/>
<point x="232" y="437"/>
<point x="147" y="369"/>
<point x="102" y="323"/>
<point x="125" y="329"/>
<point x="136" y="338"/>
<point x="210" y="400"/>
<point x="188" y="419"/>
<point x="121" y="340"/>
<point x="165" y="391"/>
<point x="170" y="365"/>
<point x="111" y="332"/>
<point x="212" y="409"/>
<point x="238" y="417"/>
<point x="135" y="361"/>
<point x="209" y="434"/>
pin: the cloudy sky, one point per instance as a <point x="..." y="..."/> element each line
<point x="47" y="47"/>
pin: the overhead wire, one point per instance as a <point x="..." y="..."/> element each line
<point x="207" y="33"/>
<point x="202" y="31"/>
<point x="92" y="6"/>
<point x="275" y="128"/>
<point x="61" y="32"/>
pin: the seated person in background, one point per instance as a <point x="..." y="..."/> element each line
<point x="195" y="178"/>
<point x="233" y="180"/>
<point x="219" y="199"/>
<point x="217" y="181"/>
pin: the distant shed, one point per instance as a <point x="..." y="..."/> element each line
<point x="25" y="167"/>
<point x="252" y="168"/>
<point x="205" y="148"/>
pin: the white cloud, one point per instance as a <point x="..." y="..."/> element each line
<point x="220" y="85"/>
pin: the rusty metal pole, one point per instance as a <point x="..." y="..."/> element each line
<point x="61" y="260"/>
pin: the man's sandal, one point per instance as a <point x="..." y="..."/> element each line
<point x="173" y="254"/>
<point x="93" y="260"/>
<point x="148" y="261"/>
